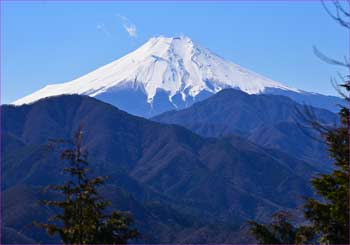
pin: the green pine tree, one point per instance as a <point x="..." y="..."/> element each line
<point x="330" y="217"/>
<point x="282" y="231"/>
<point x="83" y="219"/>
<point x="327" y="217"/>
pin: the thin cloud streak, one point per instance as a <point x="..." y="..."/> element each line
<point x="104" y="29"/>
<point x="129" y="27"/>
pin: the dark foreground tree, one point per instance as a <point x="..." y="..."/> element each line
<point x="281" y="231"/>
<point x="327" y="217"/>
<point x="330" y="217"/>
<point x="83" y="218"/>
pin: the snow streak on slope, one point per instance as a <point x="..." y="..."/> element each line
<point x="176" y="65"/>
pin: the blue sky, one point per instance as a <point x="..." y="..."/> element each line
<point x="52" y="42"/>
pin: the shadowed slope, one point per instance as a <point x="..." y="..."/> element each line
<point x="164" y="174"/>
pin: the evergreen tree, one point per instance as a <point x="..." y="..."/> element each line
<point x="82" y="219"/>
<point x="328" y="217"/>
<point x="282" y="231"/>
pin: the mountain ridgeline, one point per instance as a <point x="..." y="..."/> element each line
<point x="169" y="73"/>
<point x="223" y="145"/>
<point x="180" y="186"/>
<point x="272" y="121"/>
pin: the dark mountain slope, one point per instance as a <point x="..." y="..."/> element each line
<point x="272" y="121"/>
<point x="164" y="174"/>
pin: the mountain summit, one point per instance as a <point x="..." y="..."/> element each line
<point x="163" y="74"/>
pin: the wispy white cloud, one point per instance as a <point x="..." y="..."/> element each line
<point x="129" y="27"/>
<point x="104" y="29"/>
<point x="131" y="30"/>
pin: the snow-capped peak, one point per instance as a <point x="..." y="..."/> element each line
<point x="176" y="65"/>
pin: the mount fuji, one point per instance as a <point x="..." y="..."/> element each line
<point x="171" y="73"/>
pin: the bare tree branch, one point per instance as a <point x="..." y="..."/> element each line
<point x="341" y="9"/>
<point x="337" y="17"/>
<point x="330" y="60"/>
<point x="310" y="125"/>
<point x="343" y="84"/>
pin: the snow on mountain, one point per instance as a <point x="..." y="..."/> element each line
<point x="175" y="65"/>
<point x="163" y="74"/>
